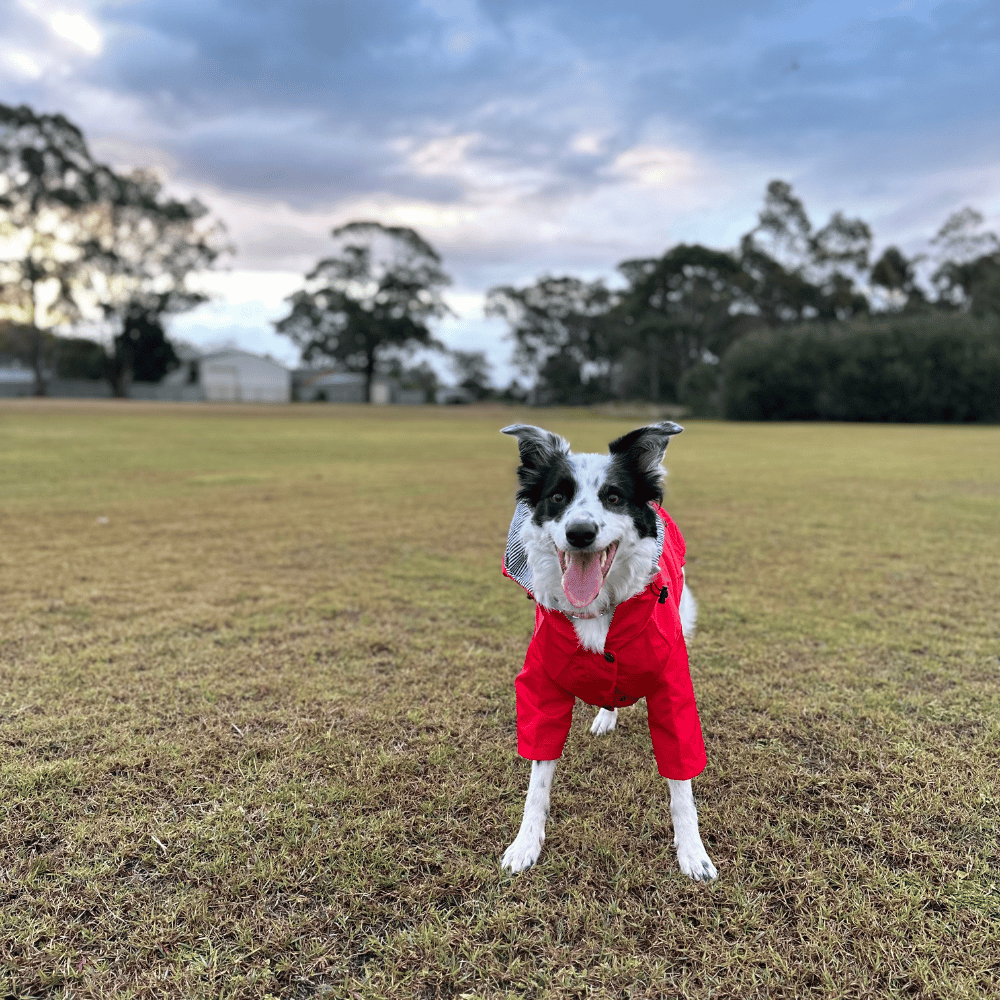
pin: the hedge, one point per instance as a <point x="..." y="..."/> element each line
<point x="916" y="369"/>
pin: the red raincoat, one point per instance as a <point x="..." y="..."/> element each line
<point x="645" y="656"/>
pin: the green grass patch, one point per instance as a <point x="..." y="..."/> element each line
<point x="257" y="715"/>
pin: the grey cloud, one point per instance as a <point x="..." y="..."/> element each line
<point x="309" y="101"/>
<point x="371" y="72"/>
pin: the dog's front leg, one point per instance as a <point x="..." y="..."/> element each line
<point x="691" y="853"/>
<point x="523" y="853"/>
<point x="605" y="721"/>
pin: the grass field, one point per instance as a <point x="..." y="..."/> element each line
<point x="257" y="715"/>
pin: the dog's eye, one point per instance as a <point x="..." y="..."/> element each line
<point x="557" y="498"/>
<point x="614" y="499"/>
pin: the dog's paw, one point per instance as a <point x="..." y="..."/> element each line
<point x="604" y="722"/>
<point x="695" y="862"/>
<point x="523" y="853"/>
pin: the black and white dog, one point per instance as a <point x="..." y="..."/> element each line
<point x="603" y="561"/>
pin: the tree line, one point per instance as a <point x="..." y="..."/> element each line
<point x="83" y="241"/>
<point x="661" y="332"/>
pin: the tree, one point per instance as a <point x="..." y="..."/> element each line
<point x="49" y="184"/>
<point x="560" y="334"/>
<point x="797" y="273"/>
<point x="420" y="377"/>
<point x="968" y="272"/>
<point x="681" y="309"/>
<point x="474" y="373"/>
<point x="150" y="245"/>
<point x="840" y="254"/>
<point x="374" y="297"/>
<point x="896" y="276"/>
<point x="423" y="378"/>
<point x="141" y="351"/>
<point x="81" y="238"/>
<point x="783" y="231"/>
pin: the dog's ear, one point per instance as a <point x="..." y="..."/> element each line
<point x="538" y="449"/>
<point x="641" y="452"/>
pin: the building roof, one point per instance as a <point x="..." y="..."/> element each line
<point x="230" y="352"/>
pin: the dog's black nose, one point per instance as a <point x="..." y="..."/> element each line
<point x="580" y="534"/>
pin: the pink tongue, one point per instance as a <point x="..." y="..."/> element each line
<point x="583" y="578"/>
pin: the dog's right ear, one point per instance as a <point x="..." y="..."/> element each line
<point x="538" y="449"/>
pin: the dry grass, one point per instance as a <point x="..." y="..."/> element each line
<point x="257" y="727"/>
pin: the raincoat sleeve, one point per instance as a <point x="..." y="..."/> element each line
<point x="544" y="709"/>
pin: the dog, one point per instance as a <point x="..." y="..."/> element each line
<point x="603" y="561"/>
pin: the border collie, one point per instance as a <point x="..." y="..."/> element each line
<point x="603" y="561"/>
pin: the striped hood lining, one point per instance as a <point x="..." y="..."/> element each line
<point x="515" y="560"/>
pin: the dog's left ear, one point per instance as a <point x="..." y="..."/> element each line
<point x="643" y="450"/>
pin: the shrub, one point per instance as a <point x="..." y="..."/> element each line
<point x="698" y="390"/>
<point x="80" y="357"/>
<point x="917" y="369"/>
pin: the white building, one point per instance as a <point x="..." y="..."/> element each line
<point x="231" y="376"/>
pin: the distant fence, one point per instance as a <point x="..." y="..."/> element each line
<point x="95" y="388"/>
<point x="87" y="388"/>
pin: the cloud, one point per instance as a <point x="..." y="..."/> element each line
<point x="312" y="103"/>
<point x="524" y="137"/>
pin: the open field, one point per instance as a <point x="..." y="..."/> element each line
<point x="257" y="715"/>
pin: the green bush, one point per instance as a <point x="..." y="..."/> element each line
<point x="80" y="357"/>
<point x="917" y="369"/>
<point x="698" y="389"/>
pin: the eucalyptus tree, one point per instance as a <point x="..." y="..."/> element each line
<point x="80" y="240"/>
<point x="894" y="276"/>
<point x="680" y="309"/>
<point x="49" y="187"/>
<point x="373" y="298"/>
<point x="561" y="334"/>
<point x="152" y="246"/>
<point x="967" y="276"/>
<point x="799" y="273"/>
<point x="474" y="373"/>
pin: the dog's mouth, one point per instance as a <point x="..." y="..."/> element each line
<point x="583" y="573"/>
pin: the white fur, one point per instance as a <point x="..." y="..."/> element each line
<point x="523" y="853"/>
<point x="630" y="573"/>
<point x="604" y="722"/>
<point x="527" y="847"/>
<point x="691" y="854"/>
<point x="688" y="609"/>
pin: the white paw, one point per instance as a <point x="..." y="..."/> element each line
<point x="523" y="853"/>
<point x="604" y="722"/>
<point x="695" y="862"/>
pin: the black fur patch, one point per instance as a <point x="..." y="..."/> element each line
<point x="545" y="471"/>
<point x="634" y="494"/>
<point x="635" y="470"/>
<point x="542" y="487"/>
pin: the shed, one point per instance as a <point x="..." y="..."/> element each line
<point x="231" y="376"/>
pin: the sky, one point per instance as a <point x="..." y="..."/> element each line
<point x="519" y="139"/>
